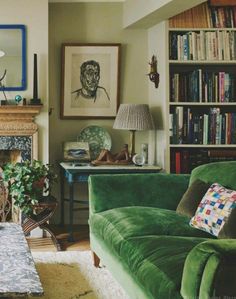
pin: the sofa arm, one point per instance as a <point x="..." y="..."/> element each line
<point x="123" y="190"/>
<point x="202" y="266"/>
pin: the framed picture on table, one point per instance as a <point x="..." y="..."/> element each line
<point x="76" y="151"/>
<point x="90" y="80"/>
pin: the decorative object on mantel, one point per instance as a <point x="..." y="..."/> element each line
<point x="153" y="74"/>
<point x="107" y="158"/>
<point x="18" y="99"/>
<point x="133" y="117"/>
<point x="35" y="100"/>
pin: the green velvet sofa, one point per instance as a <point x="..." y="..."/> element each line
<point x="152" y="250"/>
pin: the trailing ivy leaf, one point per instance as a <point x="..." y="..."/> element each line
<point x="25" y="181"/>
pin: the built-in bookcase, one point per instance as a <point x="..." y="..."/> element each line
<point x="202" y="97"/>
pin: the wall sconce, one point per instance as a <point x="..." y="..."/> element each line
<point x="153" y="75"/>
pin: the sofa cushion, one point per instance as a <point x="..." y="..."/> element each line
<point x="214" y="209"/>
<point x="157" y="262"/>
<point x="228" y="231"/>
<point x="121" y="223"/>
<point x="223" y="173"/>
<point x="192" y="197"/>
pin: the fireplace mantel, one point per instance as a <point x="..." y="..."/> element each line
<point x="15" y="113"/>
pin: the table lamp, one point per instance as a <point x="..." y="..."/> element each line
<point x="133" y="117"/>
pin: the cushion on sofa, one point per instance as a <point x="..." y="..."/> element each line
<point x="121" y="223"/>
<point x="192" y="197"/>
<point x="155" y="262"/>
<point x="228" y="231"/>
<point x="215" y="209"/>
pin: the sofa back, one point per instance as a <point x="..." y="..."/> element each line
<point x="223" y="173"/>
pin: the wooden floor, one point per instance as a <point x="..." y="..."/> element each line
<point x="81" y="237"/>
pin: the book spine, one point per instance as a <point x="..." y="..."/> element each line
<point x="177" y="163"/>
<point x="171" y="128"/>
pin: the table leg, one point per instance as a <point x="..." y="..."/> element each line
<point x="62" y="197"/>
<point x="71" y="201"/>
<point x="46" y="227"/>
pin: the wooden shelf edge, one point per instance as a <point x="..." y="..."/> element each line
<point x="202" y="104"/>
<point x="12" y="109"/>
<point x="202" y="145"/>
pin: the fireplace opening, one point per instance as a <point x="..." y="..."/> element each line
<point x="12" y="156"/>
<point x="6" y="156"/>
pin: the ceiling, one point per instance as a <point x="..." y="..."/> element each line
<point x="86" y="1"/>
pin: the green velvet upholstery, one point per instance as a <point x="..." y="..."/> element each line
<point x="192" y="197"/>
<point x="121" y="223"/>
<point x="113" y="191"/>
<point x="202" y="265"/>
<point x="223" y="173"/>
<point x="229" y="229"/>
<point x="148" y="247"/>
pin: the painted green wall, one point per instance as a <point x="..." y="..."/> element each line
<point x="95" y="23"/>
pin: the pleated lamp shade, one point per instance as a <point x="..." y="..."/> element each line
<point x="133" y="117"/>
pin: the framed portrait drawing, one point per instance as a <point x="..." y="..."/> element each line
<point x="90" y="80"/>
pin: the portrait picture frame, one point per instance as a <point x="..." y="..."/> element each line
<point x="90" y="80"/>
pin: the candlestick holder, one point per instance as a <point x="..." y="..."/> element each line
<point x="35" y="100"/>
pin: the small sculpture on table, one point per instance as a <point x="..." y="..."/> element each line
<point x="107" y="158"/>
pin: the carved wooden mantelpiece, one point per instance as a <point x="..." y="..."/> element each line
<point x="25" y="113"/>
<point x="19" y="121"/>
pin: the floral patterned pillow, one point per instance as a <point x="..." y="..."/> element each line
<point x="214" y="209"/>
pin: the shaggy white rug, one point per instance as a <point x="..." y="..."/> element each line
<point x="71" y="275"/>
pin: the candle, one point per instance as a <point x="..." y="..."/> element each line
<point x="35" y="91"/>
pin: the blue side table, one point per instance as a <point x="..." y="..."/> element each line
<point x="75" y="174"/>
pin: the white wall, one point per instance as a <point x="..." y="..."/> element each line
<point x="94" y="23"/>
<point x="148" y="13"/>
<point x="33" y="14"/>
<point x="157" y="45"/>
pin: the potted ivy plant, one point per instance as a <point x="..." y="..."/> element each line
<point x="28" y="183"/>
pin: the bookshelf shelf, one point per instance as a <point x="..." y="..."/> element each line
<point x="213" y="104"/>
<point x="201" y="62"/>
<point x="201" y="29"/>
<point x="201" y="97"/>
<point x="203" y="146"/>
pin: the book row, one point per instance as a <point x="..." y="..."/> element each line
<point x="192" y="127"/>
<point x="205" y="16"/>
<point x="185" y="160"/>
<point x="196" y="17"/>
<point x="203" y="45"/>
<point x="202" y="86"/>
<point x="222" y="17"/>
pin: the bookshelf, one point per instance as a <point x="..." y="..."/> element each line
<point x="201" y="102"/>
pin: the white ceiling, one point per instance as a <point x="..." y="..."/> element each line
<point x="86" y="1"/>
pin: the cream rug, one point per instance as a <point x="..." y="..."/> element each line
<point x="71" y="275"/>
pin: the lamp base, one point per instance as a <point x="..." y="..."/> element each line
<point x="132" y="143"/>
